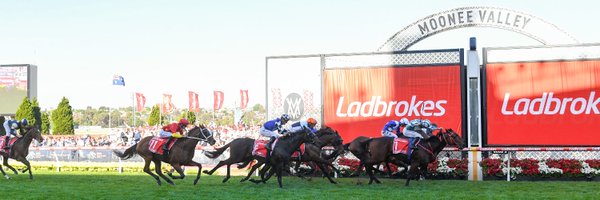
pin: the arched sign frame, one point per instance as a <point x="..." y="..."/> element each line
<point x="481" y="16"/>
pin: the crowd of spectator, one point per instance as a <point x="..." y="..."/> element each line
<point x="128" y="136"/>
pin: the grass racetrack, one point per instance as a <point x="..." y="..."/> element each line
<point x="134" y="185"/>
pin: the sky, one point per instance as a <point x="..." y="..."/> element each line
<point x="172" y="47"/>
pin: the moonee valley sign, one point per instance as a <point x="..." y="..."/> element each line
<point x="515" y="21"/>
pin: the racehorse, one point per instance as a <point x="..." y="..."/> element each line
<point x="282" y="153"/>
<point x="377" y="150"/>
<point x="20" y="149"/>
<point x="312" y="155"/>
<point x="180" y="154"/>
<point x="241" y="152"/>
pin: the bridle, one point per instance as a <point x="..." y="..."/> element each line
<point x="205" y="136"/>
<point x="448" y="139"/>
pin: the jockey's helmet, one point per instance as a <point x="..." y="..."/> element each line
<point x="311" y="122"/>
<point x="285" y="117"/>
<point x="404" y="121"/>
<point x="184" y="122"/>
<point x="24" y="122"/>
<point x="426" y="123"/>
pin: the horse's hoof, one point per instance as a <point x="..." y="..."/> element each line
<point x="333" y="182"/>
<point x="7" y="177"/>
<point x="205" y="172"/>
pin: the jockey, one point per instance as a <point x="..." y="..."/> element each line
<point x="10" y="127"/>
<point x="393" y="125"/>
<point x="268" y="129"/>
<point x="173" y="130"/>
<point x="309" y="124"/>
<point x="414" y="130"/>
<point x="428" y="127"/>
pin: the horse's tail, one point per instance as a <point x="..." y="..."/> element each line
<point x="218" y="152"/>
<point x="130" y="152"/>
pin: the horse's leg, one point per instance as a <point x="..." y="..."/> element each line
<point x="7" y="165"/>
<point x="360" y="167"/>
<point x="177" y="167"/>
<point x="323" y="169"/>
<point x="27" y="166"/>
<point x="333" y="168"/>
<point x="279" y="170"/>
<point x="192" y="163"/>
<point x="220" y="164"/>
<point x="157" y="169"/>
<point x="271" y="170"/>
<point x="262" y="173"/>
<point x="2" y="170"/>
<point x="147" y="170"/>
<point x="256" y="166"/>
<point x="411" y="172"/>
<point x="228" y="172"/>
<point x="389" y="171"/>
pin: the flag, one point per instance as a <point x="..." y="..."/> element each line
<point x="141" y="101"/>
<point x="244" y="99"/>
<point x="118" y="80"/>
<point x="167" y="105"/>
<point x="193" y="101"/>
<point x="218" y="100"/>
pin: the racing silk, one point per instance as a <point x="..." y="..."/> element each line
<point x="173" y="128"/>
<point x="273" y="125"/>
<point x="8" y="127"/>
<point x="411" y="131"/>
<point x="392" y="126"/>
<point x="298" y="126"/>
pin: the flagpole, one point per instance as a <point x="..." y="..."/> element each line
<point x="133" y="108"/>
<point x="109" y="125"/>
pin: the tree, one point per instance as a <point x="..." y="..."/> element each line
<point x="25" y="111"/>
<point x="154" y="118"/>
<point x="62" y="118"/>
<point x="37" y="113"/>
<point x="258" y="108"/>
<point x="189" y="115"/>
<point x="45" y="123"/>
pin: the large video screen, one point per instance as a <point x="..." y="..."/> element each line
<point x="543" y="103"/>
<point x="359" y="101"/>
<point x="13" y="87"/>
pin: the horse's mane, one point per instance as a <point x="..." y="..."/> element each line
<point x="326" y="130"/>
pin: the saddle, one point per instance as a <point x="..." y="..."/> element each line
<point x="261" y="150"/>
<point x="3" y="141"/>
<point x="156" y="143"/>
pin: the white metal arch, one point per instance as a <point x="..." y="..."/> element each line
<point x="502" y="18"/>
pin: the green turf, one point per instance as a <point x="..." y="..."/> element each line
<point x="112" y="185"/>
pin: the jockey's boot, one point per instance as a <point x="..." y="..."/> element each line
<point x="6" y="143"/>
<point x="269" y="148"/>
<point x="165" y="148"/>
<point x="270" y="143"/>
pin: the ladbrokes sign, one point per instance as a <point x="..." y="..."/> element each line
<point x="543" y="103"/>
<point x="358" y="102"/>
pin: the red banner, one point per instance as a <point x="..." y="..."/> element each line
<point x="243" y="99"/>
<point x="218" y="102"/>
<point x="167" y="105"/>
<point x="358" y="102"/>
<point x="140" y="101"/>
<point x="543" y="103"/>
<point x="193" y="105"/>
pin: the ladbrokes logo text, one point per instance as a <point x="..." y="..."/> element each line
<point x="378" y="108"/>
<point x="548" y="104"/>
